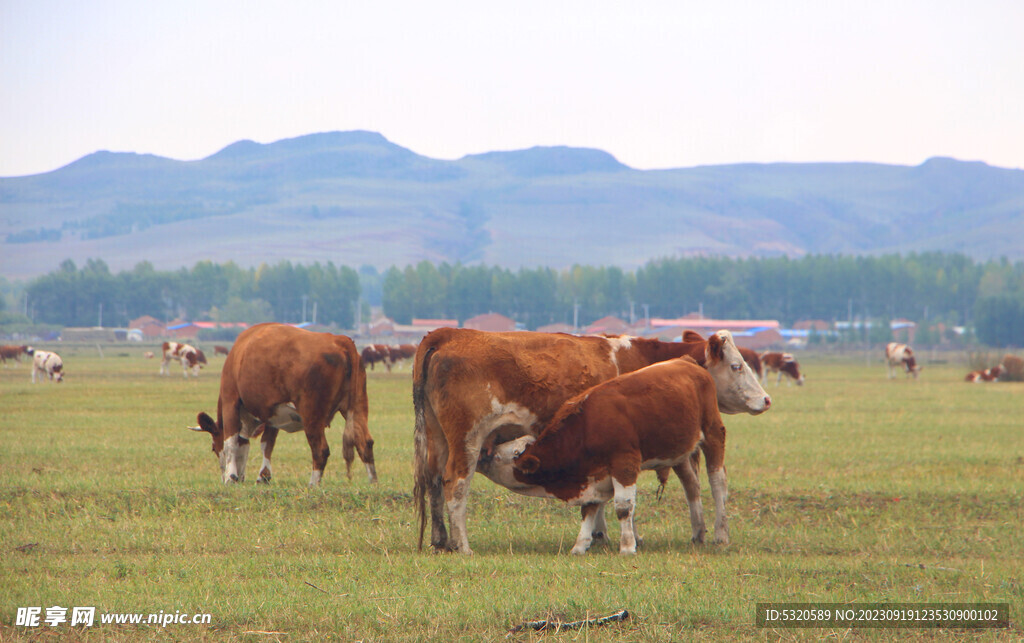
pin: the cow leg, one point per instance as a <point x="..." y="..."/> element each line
<point x="267" y="442"/>
<point x="458" y="475"/>
<point x="600" y="525"/>
<point x="625" y="508"/>
<point x="691" y="485"/>
<point x="320" y="451"/>
<point x="589" y="513"/>
<point x="714" y="456"/>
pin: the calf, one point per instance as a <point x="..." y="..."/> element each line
<point x="191" y="358"/>
<point x="783" y="364"/>
<point x="13" y="352"/>
<point x="901" y="354"/>
<point x="599" y="441"/>
<point x="47" y="364"/>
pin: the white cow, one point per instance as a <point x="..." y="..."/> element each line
<point x="901" y="354"/>
<point x="47" y="364"/>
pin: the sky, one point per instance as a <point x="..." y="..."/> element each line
<point x="656" y="84"/>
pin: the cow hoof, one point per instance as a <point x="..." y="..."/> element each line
<point x="598" y="535"/>
<point x="263" y="480"/>
<point x="233" y="478"/>
<point x="578" y="551"/>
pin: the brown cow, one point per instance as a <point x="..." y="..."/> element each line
<point x="282" y="378"/>
<point x="473" y="388"/>
<point x="374" y="353"/>
<point x="401" y="352"/>
<point x="191" y="358"/>
<point x="783" y="364"/>
<point x="13" y="352"/>
<point x="220" y="350"/>
<point x="753" y="360"/>
<point x="595" y="447"/>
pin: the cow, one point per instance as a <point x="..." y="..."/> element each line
<point x="401" y="352"/>
<point x="8" y="351"/>
<point x="901" y="354"/>
<point x="985" y="375"/>
<point x="753" y="360"/>
<point x="191" y="358"/>
<point x="220" y="350"/>
<point x="374" y="353"/>
<point x="783" y="364"/>
<point x="47" y="364"/>
<point x="281" y="378"/>
<point x="599" y="441"/>
<point x="473" y="390"/>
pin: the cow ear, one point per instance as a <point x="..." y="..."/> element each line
<point x="207" y="424"/>
<point x="527" y="463"/>
<point x="716" y="349"/>
<point x="690" y="336"/>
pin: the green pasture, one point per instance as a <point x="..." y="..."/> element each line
<point x="853" y="488"/>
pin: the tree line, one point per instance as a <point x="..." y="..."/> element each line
<point x="928" y="287"/>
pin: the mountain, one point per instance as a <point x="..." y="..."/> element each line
<point x="355" y="198"/>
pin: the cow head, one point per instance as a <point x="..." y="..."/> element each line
<point x="792" y="368"/>
<point x="200" y="357"/>
<point x="501" y="462"/>
<point x="739" y="390"/>
<point x="911" y="364"/>
<point x="58" y="373"/>
<point x="206" y="424"/>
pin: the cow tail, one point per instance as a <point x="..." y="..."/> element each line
<point x="421" y="475"/>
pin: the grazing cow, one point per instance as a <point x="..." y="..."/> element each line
<point x="783" y="364"/>
<point x="374" y="353"/>
<point x="474" y="389"/>
<point x="191" y="358"/>
<point x="401" y="352"/>
<point x="595" y="447"/>
<point x="148" y="355"/>
<point x="13" y="352"/>
<point x="220" y="350"/>
<point x="282" y="378"/>
<point x="985" y="375"/>
<point x="753" y="360"/>
<point x="47" y="364"/>
<point x="901" y="354"/>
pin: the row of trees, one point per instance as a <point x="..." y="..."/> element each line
<point x="928" y="287"/>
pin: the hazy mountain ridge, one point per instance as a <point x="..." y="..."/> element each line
<point x="356" y="198"/>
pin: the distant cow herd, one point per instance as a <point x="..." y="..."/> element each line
<point x="546" y="415"/>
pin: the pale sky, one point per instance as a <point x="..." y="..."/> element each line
<point x="657" y="84"/>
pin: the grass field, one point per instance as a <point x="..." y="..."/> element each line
<point x="852" y="488"/>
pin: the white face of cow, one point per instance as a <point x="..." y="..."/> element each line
<point x="499" y="469"/>
<point x="739" y="390"/>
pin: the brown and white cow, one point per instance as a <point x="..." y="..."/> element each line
<point x="900" y="354"/>
<point x="377" y="353"/>
<point x="783" y="364"/>
<point x="48" y="365"/>
<point x="191" y="358"/>
<point x="13" y="352"/>
<point x="985" y="375"/>
<point x="599" y="441"/>
<point x="472" y="388"/>
<point x="282" y="378"/>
